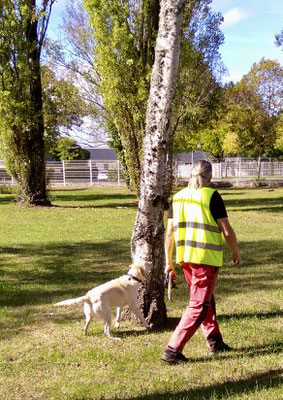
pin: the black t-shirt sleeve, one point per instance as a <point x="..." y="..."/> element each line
<point x="217" y="206"/>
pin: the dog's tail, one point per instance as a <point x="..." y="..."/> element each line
<point x="77" y="300"/>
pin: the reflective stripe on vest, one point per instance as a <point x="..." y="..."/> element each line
<point x="197" y="235"/>
<point x="197" y="225"/>
<point x="199" y="245"/>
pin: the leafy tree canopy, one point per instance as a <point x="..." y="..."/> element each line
<point x="262" y="87"/>
<point x="125" y="34"/>
<point x="63" y="106"/>
<point x="249" y="118"/>
<point x="64" y="148"/>
<point x="279" y="134"/>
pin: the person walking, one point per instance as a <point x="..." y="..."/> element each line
<point x="197" y="219"/>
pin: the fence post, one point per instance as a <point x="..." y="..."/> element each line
<point x="64" y="176"/>
<point x="90" y="172"/>
<point x="118" y="173"/>
<point x="238" y="171"/>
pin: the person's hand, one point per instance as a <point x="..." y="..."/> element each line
<point x="169" y="268"/>
<point x="237" y="260"/>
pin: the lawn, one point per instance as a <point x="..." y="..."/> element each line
<point x="50" y="254"/>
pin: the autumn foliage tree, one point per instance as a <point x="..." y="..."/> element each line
<point x="256" y="103"/>
<point x="249" y="117"/>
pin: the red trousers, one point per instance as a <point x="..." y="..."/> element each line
<point x="201" y="310"/>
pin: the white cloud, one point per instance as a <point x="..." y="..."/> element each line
<point x="235" y="15"/>
<point x="234" y="77"/>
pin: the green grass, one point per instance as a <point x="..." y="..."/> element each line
<point x="50" y="254"/>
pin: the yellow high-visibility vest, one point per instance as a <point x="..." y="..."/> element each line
<point x="198" y="238"/>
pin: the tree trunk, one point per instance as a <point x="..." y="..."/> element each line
<point x="148" y="234"/>
<point x="32" y="185"/>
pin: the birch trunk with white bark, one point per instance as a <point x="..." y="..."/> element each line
<point x="148" y="233"/>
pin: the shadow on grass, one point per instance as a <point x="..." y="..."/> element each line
<point x="133" y="204"/>
<point x="257" y="382"/>
<point x="94" y="200"/>
<point x="88" y="196"/>
<point x="34" y="275"/>
<point x="5" y="199"/>
<point x="172" y="322"/>
<point x="260" y="269"/>
<point x="78" y="198"/>
<point x="255" y="253"/>
<point x="250" y="352"/>
<point x="269" y="315"/>
<point x="39" y="274"/>
<point x="266" y="203"/>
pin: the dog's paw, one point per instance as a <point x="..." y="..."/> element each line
<point x="149" y="327"/>
<point x="117" y="325"/>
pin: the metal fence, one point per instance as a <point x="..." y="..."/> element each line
<point x="75" y="172"/>
<point x="91" y="173"/>
<point x="83" y="172"/>
<point x="5" y="178"/>
<point x="239" y="170"/>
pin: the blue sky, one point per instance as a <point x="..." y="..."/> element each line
<point x="249" y="28"/>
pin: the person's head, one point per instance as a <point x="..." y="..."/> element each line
<point x="201" y="174"/>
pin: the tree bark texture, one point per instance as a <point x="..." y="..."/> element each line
<point x="32" y="183"/>
<point x="148" y="233"/>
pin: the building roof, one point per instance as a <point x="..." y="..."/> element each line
<point x="192" y="157"/>
<point x="107" y="154"/>
<point x="102" y="154"/>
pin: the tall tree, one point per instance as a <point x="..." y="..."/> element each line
<point x="125" y="34"/>
<point x="23" y="25"/>
<point x="255" y="105"/>
<point x="263" y="86"/>
<point x="198" y="91"/>
<point x="76" y="53"/>
<point x="247" y="122"/>
<point x="148" y="233"/>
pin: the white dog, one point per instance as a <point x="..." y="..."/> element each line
<point x="115" y="293"/>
